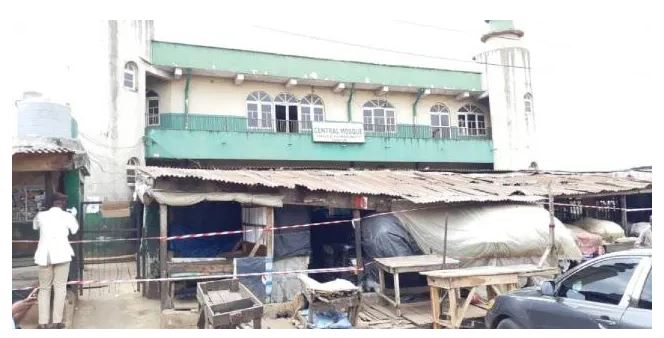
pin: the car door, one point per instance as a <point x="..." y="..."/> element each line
<point x="638" y="314"/>
<point x="590" y="297"/>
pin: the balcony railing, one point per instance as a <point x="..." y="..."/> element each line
<point x="223" y="123"/>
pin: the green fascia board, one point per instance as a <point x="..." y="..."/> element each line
<point x="299" y="67"/>
<point x="500" y="25"/>
<point x="195" y="144"/>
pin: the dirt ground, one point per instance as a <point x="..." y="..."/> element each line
<point x="125" y="309"/>
<point x="118" y="306"/>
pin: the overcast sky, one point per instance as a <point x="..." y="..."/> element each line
<point x="594" y="86"/>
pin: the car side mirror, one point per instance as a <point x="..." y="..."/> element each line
<point x="547" y="288"/>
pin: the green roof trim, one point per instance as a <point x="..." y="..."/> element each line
<point x="300" y="67"/>
<point x="500" y="25"/>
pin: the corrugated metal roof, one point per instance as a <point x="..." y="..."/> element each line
<point x="53" y="145"/>
<point x="41" y="149"/>
<point x="415" y="186"/>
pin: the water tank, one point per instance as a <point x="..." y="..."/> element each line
<point x="39" y="116"/>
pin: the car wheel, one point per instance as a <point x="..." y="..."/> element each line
<point x="507" y="324"/>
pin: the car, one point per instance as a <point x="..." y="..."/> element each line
<point x="610" y="291"/>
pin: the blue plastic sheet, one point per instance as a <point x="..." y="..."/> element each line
<point x="328" y="320"/>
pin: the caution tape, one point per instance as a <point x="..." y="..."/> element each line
<point x="231" y="232"/>
<point x="176" y="279"/>
<point x="286" y="227"/>
<point x="599" y="207"/>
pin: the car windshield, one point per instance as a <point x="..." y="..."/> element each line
<point x="603" y="282"/>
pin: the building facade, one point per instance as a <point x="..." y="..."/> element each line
<point x="176" y="104"/>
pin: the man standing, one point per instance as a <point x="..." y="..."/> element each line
<point x="53" y="256"/>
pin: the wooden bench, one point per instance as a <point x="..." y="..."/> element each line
<point x="404" y="264"/>
<point x="495" y="279"/>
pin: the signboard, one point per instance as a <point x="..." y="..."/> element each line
<point x="339" y="132"/>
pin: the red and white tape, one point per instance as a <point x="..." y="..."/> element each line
<point x="598" y="207"/>
<point x="237" y="232"/>
<point x="175" y="279"/>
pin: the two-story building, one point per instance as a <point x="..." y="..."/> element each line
<point x="238" y="108"/>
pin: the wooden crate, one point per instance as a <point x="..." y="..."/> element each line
<point x="227" y="304"/>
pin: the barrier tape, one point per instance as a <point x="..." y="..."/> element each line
<point x="232" y="232"/>
<point x="170" y="279"/>
<point x="286" y="227"/>
<point x="598" y="207"/>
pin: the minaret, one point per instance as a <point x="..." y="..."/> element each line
<point x="507" y="79"/>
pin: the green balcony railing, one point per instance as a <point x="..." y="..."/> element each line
<point x="225" y="123"/>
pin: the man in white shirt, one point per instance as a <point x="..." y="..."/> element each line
<point x="53" y="256"/>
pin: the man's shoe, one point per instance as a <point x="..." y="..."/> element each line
<point x="43" y="326"/>
<point x="59" y="325"/>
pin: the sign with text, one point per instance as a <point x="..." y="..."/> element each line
<point x="339" y="132"/>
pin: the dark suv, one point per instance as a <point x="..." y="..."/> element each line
<point x="610" y="291"/>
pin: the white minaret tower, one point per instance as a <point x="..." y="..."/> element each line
<point x="507" y="79"/>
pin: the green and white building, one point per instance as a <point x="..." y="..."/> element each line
<point x="178" y="104"/>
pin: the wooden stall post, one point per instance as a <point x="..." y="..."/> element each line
<point x="623" y="211"/>
<point x="163" y="256"/>
<point x="269" y="231"/>
<point x="552" y="236"/>
<point x="143" y="250"/>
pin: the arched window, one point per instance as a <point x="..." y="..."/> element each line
<point x="528" y="103"/>
<point x="471" y="120"/>
<point x="131" y="171"/>
<point x="152" y="108"/>
<point x="259" y="110"/>
<point x="528" y="110"/>
<point x="129" y="77"/>
<point x="286" y="113"/>
<point x="379" y="116"/>
<point x="311" y="109"/>
<point x="440" y="121"/>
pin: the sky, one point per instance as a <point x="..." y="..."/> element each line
<point x="594" y="78"/>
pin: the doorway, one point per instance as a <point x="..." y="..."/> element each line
<point x="286" y="113"/>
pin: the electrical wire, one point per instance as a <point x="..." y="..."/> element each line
<point x="448" y="29"/>
<point x="100" y="144"/>
<point x="382" y="49"/>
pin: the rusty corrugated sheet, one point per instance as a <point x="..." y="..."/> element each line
<point x="41" y="149"/>
<point x="416" y="186"/>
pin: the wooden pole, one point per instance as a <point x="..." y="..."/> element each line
<point x="358" y="243"/>
<point x="269" y="231"/>
<point x="552" y="223"/>
<point x="445" y="243"/>
<point x="163" y="257"/>
<point x="269" y="243"/>
<point x="552" y="236"/>
<point x="623" y="211"/>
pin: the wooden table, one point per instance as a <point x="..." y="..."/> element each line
<point x="403" y="264"/>
<point x="492" y="277"/>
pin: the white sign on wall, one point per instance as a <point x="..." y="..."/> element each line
<point x="340" y="132"/>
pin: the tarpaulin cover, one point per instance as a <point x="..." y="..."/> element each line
<point x="190" y="198"/>
<point x="255" y="284"/>
<point x="489" y="234"/>
<point x="201" y="218"/>
<point x="610" y="231"/>
<point x="385" y="236"/>
<point x="589" y="244"/>
<point x="286" y="286"/>
<point x="292" y="242"/>
<point x="636" y="229"/>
